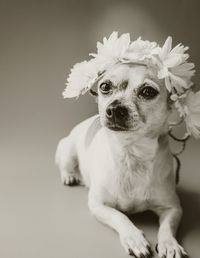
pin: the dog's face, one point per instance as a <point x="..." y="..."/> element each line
<point x="132" y="99"/>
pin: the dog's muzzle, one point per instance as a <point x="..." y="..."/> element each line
<point x="117" y="116"/>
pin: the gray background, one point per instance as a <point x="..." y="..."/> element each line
<point x="39" y="43"/>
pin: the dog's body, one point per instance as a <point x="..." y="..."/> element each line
<point x="127" y="166"/>
<point x="107" y="163"/>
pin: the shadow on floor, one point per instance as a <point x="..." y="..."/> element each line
<point x="146" y="218"/>
<point x="190" y="202"/>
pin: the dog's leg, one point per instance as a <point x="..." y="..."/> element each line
<point x="131" y="237"/>
<point x="66" y="159"/>
<point x="169" y="219"/>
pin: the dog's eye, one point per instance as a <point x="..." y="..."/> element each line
<point x="148" y="92"/>
<point x="105" y="87"/>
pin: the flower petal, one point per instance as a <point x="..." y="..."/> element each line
<point x="192" y="116"/>
<point x="82" y="77"/>
<point x="166" y="48"/>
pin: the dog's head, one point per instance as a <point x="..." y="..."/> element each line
<point x="132" y="99"/>
<point x="137" y="82"/>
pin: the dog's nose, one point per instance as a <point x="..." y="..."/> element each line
<point x="116" y="112"/>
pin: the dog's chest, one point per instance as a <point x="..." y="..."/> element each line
<point x="132" y="179"/>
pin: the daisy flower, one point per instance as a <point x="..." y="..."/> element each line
<point x="174" y="67"/>
<point x="82" y="77"/>
<point x="111" y="50"/>
<point x="192" y="116"/>
<point x="140" y="51"/>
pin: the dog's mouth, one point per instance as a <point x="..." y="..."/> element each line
<point x="122" y="127"/>
<point x="117" y="128"/>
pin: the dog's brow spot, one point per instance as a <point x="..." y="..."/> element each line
<point x="123" y="85"/>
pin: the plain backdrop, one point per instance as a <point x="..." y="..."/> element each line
<point x="39" y="42"/>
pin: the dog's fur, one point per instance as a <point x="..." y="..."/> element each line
<point x="128" y="168"/>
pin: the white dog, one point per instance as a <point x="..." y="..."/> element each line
<point x="122" y="155"/>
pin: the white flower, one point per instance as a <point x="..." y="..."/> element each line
<point x="188" y="106"/>
<point x="179" y="103"/>
<point x="174" y="67"/>
<point x="112" y="49"/>
<point x="82" y="77"/>
<point x="192" y="116"/>
<point x="140" y="50"/>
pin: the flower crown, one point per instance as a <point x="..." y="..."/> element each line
<point x="169" y="64"/>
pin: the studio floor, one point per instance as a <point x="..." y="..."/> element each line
<point x="41" y="218"/>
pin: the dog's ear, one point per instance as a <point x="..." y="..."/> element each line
<point x="94" y="90"/>
<point x="93" y="93"/>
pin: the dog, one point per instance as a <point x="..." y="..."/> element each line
<point x="122" y="155"/>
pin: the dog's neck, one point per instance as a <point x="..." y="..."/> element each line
<point x="142" y="146"/>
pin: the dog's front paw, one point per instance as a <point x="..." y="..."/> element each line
<point x="169" y="248"/>
<point x="136" y="244"/>
<point x="71" y="179"/>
